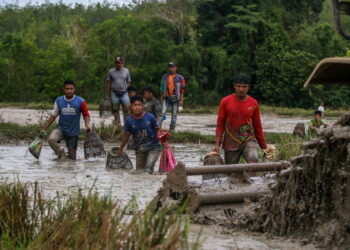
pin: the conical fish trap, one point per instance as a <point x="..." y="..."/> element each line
<point x="106" y="108"/>
<point x="212" y="158"/>
<point x="122" y="161"/>
<point x="93" y="145"/>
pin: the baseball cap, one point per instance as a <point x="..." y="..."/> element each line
<point x="119" y="59"/>
<point x="172" y="64"/>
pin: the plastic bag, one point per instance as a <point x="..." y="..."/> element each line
<point x="35" y="147"/>
<point x="167" y="160"/>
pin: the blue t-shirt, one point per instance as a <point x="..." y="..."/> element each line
<point x="69" y="112"/>
<point x="143" y="131"/>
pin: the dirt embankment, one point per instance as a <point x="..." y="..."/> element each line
<point x="309" y="200"/>
<point x="312" y="198"/>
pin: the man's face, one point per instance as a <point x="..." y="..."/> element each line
<point x="118" y="64"/>
<point x="69" y="90"/>
<point x="316" y="117"/>
<point x="137" y="107"/>
<point x="147" y="95"/>
<point x="172" y="69"/>
<point x="241" y="89"/>
<point x="131" y="93"/>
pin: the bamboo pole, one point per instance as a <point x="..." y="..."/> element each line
<point x="237" y="168"/>
<point x="221" y="198"/>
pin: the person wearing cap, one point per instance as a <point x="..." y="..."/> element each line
<point x="118" y="80"/>
<point x="172" y="89"/>
<point x="238" y="128"/>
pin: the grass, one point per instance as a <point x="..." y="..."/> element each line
<point x="191" y="109"/>
<point x="298" y="111"/>
<point x="85" y="222"/>
<point x="191" y="137"/>
<point x="287" y="145"/>
<point x="111" y="133"/>
<point x="38" y="105"/>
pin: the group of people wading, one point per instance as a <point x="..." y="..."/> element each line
<point x="238" y="129"/>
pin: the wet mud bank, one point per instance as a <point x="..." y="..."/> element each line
<point x="221" y="223"/>
<point x="312" y="197"/>
<point x="310" y="200"/>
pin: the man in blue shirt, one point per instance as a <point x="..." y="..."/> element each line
<point x="69" y="108"/>
<point x="143" y="127"/>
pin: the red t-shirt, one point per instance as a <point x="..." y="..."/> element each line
<point x="239" y="122"/>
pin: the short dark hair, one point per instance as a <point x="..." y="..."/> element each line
<point x="148" y="89"/>
<point x="318" y="113"/>
<point x="242" y="78"/>
<point x="68" y="82"/>
<point x="131" y="88"/>
<point x="136" y="98"/>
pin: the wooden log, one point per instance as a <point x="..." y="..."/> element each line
<point x="237" y="168"/>
<point x="222" y="198"/>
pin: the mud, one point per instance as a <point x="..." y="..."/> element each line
<point x="312" y="198"/>
<point x="66" y="176"/>
<point x="218" y="232"/>
<point x="204" y="123"/>
<point x="213" y="238"/>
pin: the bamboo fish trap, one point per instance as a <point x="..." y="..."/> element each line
<point x="212" y="158"/>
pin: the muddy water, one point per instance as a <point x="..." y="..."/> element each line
<point x="204" y="123"/>
<point x="66" y="176"/>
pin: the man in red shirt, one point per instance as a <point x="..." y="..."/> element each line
<point x="238" y="127"/>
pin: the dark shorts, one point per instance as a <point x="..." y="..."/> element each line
<point x="71" y="141"/>
<point x="250" y="153"/>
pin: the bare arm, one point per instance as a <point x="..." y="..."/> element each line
<point x="220" y="126"/>
<point x="87" y="122"/>
<point x="125" y="139"/>
<point x="48" y="123"/>
<point x="181" y="99"/>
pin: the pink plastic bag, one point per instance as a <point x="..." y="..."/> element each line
<point x="167" y="160"/>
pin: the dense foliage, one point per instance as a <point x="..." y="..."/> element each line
<point x="277" y="42"/>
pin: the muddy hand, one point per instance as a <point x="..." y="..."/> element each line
<point x="42" y="133"/>
<point x="216" y="149"/>
<point x="119" y="152"/>
<point x="88" y="128"/>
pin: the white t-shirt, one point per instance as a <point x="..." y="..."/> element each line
<point x="321" y="109"/>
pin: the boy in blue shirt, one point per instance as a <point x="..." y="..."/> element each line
<point x="143" y="127"/>
<point x="69" y="108"/>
